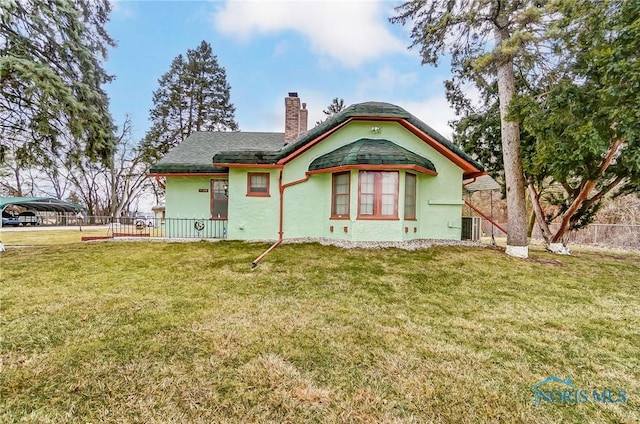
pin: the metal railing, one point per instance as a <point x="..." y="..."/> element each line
<point x="147" y="226"/>
<point x="175" y="228"/>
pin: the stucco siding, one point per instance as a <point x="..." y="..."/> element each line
<point x="188" y="197"/>
<point x="253" y="218"/>
<point x="308" y="205"/>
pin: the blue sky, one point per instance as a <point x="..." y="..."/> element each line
<point x="320" y="49"/>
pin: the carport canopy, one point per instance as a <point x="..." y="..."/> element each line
<point x="42" y="204"/>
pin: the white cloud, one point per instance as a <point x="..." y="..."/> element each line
<point x="387" y="80"/>
<point x="433" y="111"/>
<point x="122" y="9"/>
<point x="350" y="32"/>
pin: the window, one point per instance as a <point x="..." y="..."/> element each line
<point x="340" y="196"/>
<point x="409" y="196"/>
<point x="378" y="196"/>
<point x="219" y="199"/>
<point x="258" y="184"/>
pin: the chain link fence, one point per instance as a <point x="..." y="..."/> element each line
<point x="624" y="236"/>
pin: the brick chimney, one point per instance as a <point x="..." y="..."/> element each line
<point x="295" y="118"/>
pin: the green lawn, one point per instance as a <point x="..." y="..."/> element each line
<point x="44" y="237"/>
<point x="187" y="333"/>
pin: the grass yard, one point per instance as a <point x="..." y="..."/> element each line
<point x="46" y="237"/>
<point x="187" y="333"/>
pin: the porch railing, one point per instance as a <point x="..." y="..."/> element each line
<point x="174" y="228"/>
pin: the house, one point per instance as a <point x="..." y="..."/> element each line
<point x="373" y="172"/>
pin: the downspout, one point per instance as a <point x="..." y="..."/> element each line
<point x="257" y="261"/>
<point x="470" y="182"/>
<point x="466" y="184"/>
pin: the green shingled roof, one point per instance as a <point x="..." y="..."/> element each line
<point x="374" y="109"/>
<point x="247" y="156"/>
<point x="368" y="151"/>
<point x="200" y="150"/>
<point x="194" y="155"/>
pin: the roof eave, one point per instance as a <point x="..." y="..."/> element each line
<point x="375" y="167"/>
<point x="248" y="165"/>
<point x="468" y="168"/>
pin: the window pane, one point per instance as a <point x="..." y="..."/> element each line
<point x="367" y="180"/>
<point x="220" y="199"/>
<point x="389" y="182"/>
<point x="220" y="208"/>
<point x="258" y="183"/>
<point x="388" y="204"/>
<point x="409" y="211"/>
<point x="341" y="184"/>
<point x="410" y="183"/>
<point x="340" y="194"/>
<point x="410" y="196"/>
<point x="341" y="205"/>
<point x="366" y="204"/>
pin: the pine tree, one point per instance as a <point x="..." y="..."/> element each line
<point x="484" y="38"/>
<point x="192" y="96"/>
<point x="578" y="114"/>
<point x="51" y="79"/>
<point x="336" y="106"/>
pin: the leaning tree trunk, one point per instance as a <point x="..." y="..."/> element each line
<point x="517" y="243"/>
<point x="556" y="245"/>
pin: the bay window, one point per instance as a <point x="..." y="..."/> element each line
<point x="340" y="195"/>
<point x="378" y="195"/>
<point x="409" y="196"/>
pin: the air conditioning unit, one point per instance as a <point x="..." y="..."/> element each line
<point x="471" y="228"/>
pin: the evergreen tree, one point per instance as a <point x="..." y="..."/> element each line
<point x="334" y="107"/>
<point x="585" y="116"/>
<point x="51" y="75"/>
<point x="192" y="96"/>
<point x="484" y="38"/>
<point x="578" y="118"/>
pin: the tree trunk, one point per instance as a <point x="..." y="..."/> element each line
<point x="585" y="190"/>
<point x="538" y="213"/>
<point x="531" y="223"/>
<point x="517" y="243"/>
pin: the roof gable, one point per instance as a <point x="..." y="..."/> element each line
<point x="198" y="151"/>
<point x="385" y="112"/>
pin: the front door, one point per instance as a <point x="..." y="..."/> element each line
<point x="219" y="198"/>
